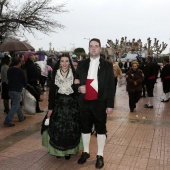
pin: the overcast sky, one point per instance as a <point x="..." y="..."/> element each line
<point x="108" y="19"/>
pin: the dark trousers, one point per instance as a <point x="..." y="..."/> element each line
<point x="143" y="89"/>
<point x="93" y="112"/>
<point x="115" y="85"/>
<point x="134" y="98"/>
<point x="42" y="81"/>
<point x="149" y="87"/>
<point x="36" y="88"/>
<point x="32" y="90"/>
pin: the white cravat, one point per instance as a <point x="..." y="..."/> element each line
<point x="92" y="72"/>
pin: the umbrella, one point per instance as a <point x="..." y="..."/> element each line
<point x="41" y="53"/>
<point x="15" y="46"/>
<point x="27" y="54"/>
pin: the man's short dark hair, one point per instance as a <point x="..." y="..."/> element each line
<point x="16" y="61"/>
<point x="95" y="39"/>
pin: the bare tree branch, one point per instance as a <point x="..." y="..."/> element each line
<point x="30" y="16"/>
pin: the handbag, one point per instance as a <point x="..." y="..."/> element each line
<point x="29" y="102"/>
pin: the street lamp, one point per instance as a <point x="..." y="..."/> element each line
<point x="72" y="46"/>
<point x="87" y="39"/>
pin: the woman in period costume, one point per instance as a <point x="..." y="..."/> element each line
<point x="62" y="136"/>
<point x="134" y="78"/>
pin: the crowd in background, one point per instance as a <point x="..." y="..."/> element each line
<point x="38" y="71"/>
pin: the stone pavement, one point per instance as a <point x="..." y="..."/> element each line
<point x="136" y="141"/>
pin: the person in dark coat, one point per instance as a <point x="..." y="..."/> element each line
<point x="120" y="64"/>
<point x="4" y="89"/>
<point x="96" y="99"/>
<point x="134" y="78"/>
<point x="165" y="77"/>
<point x="158" y="70"/>
<point x="33" y="74"/>
<point x="142" y="65"/>
<point x="127" y="65"/>
<point x="150" y="73"/>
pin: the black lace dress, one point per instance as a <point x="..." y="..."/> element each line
<point x="62" y="136"/>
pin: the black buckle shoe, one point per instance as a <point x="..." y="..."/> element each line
<point x="9" y="124"/>
<point x="23" y="119"/>
<point x="99" y="162"/>
<point x="83" y="158"/>
<point x="67" y="157"/>
<point x="148" y="106"/>
<point x="165" y="100"/>
<point x="131" y="110"/>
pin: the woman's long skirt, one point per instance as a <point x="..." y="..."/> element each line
<point x="62" y="136"/>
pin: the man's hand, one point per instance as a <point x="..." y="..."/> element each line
<point x="109" y="111"/>
<point x="82" y="89"/>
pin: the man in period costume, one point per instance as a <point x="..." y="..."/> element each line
<point x="150" y="73"/>
<point x="165" y="77"/>
<point x="96" y="88"/>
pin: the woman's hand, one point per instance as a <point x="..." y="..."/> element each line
<point x="76" y="81"/>
<point x="49" y="113"/>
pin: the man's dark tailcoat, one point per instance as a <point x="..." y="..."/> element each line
<point x="105" y="80"/>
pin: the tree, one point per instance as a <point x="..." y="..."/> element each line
<point x="29" y="16"/>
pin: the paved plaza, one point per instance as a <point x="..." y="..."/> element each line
<point x="135" y="141"/>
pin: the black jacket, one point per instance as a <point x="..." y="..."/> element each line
<point x="150" y="71"/>
<point x="105" y="80"/>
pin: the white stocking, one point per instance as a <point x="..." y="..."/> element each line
<point x="86" y="141"/>
<point x="101" y="139"/>
<point x="166" y="96"/>
<point x="150" y="101"/>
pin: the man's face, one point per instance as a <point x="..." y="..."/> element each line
<point x="94" y="49"/>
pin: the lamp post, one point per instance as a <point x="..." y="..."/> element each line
<point x="72" y="46"/>
<point x="87" y="39"/>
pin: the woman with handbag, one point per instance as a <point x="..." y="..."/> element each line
<point x="62" y="136"/>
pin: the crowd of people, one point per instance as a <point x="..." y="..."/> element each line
<point x="81" y="95"/>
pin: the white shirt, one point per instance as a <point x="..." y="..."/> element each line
<point x="92" y="72"/>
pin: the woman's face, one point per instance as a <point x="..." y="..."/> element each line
<point x="64" y="62"/>
<point x="134" y="66"/>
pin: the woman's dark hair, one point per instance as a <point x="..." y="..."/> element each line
<point x="5" y="60"/>
<point x="57" y="65"/>
<point x="95" y="39"/>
